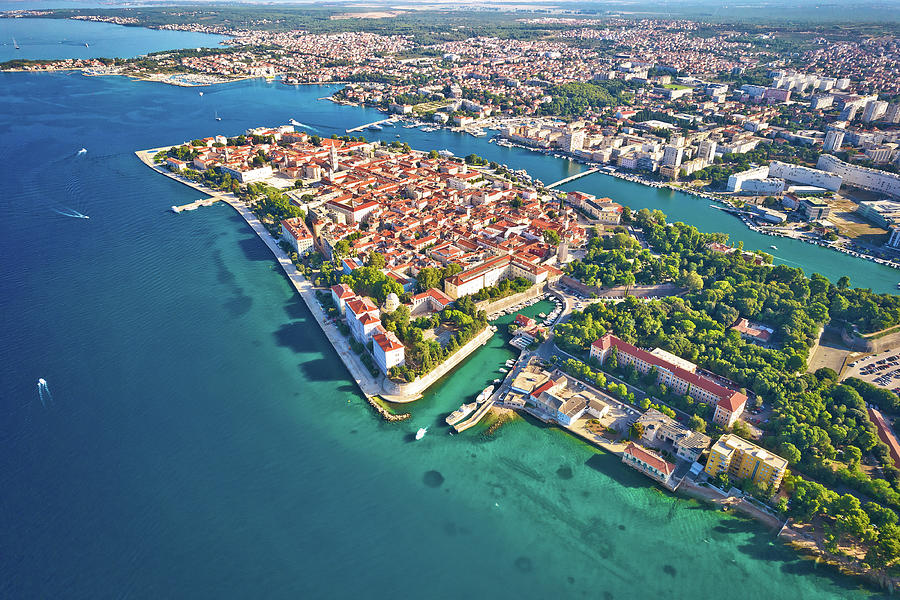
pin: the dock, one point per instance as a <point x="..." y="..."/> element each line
<point x="195" y="204"/>
<point x="572" y="178"/>
<point x="475" y="418"/>
<point x="367" y="125"/>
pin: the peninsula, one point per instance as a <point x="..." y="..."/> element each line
<point x="401" y="255"/>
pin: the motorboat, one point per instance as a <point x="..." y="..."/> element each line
<point x="421" y="433"/>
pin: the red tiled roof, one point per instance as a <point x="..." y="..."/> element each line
<point x="387" y="341"/>
<point x="543" y="388"/>
<point x="735" y="399"/>
<point x="649" y="458"/>
<point x="342" y="291"/>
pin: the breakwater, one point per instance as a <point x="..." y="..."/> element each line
<point x="382" y="410"/>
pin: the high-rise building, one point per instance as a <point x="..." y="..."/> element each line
<point x="572" y="141"/>
<point x="833" y="140"/>
<point x="707" y="150"/>
<point x="873" y="110"/>
<point x="849" y="111"/>
<point x="672" y="156"/>
<point x="892" y="114"/>
<point x="745" y="460"/>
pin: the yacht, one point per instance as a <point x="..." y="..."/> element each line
<point x="459" y="414"/>
<point x="421" y="433"/>
<point x="376" y="128"/>
<point x="485" y="394"/>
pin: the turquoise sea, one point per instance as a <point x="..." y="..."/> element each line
<point x="203" y="440"/>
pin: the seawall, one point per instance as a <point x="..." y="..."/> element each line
<point x="407" y="392"/>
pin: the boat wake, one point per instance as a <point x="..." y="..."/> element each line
<point x="71" y="212"/>
<point x="44" y="392"/>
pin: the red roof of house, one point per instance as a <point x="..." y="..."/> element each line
<point x="361" y="305"/>
<point x="342" y="291"/>
<point x="733" y="398"/>
<point x="543" y="388"/>
<point x="649" y="458"/>
<point x="387" y="341"/>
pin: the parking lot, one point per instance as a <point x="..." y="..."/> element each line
<point x="881" y="369"/>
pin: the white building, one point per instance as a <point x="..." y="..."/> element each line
<point x="363" y="318"/>
<point x="736" y="181"/>
<point x="861" y="177"/>
<point x="805" y="175"/>
<point x="295" y="233"/>
<point x="249" y="175"/>
<point x="874" y="110"/>
<point x="833" y="140"/>
<point x="340" y="294"/>
<point x="388" y="350"/>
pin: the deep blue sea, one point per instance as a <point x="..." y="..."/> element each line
<point x="203" y="440"/>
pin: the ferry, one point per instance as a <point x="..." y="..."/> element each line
<point x="421" y="433"/>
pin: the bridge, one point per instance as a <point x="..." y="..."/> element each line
<point x="572" y="178"/>
<point x="381" y="122"/>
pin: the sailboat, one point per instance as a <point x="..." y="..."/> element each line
<point x="218" y="118"/>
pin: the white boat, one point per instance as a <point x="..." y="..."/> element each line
<point x="421" y="433"/>
<point x="200" y="93"/>
<point x="15" y="43"/>
<point x="459" y="414"/>
<point x="502" y="370"/>
<point x="218" y="118"/>
<point x="773" y="247"/>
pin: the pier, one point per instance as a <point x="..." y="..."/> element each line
<point x="572" y="178"/>
<point x="367" y="125"/>
<point x="475" y="418"/>
<point x="195" y="204"/>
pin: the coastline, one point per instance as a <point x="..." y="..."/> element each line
<point x="369" y="386"/>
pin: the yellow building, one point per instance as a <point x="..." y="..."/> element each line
<point x="745" y="460"/>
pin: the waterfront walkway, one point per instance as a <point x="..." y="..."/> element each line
<point x="370" y="386"/>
